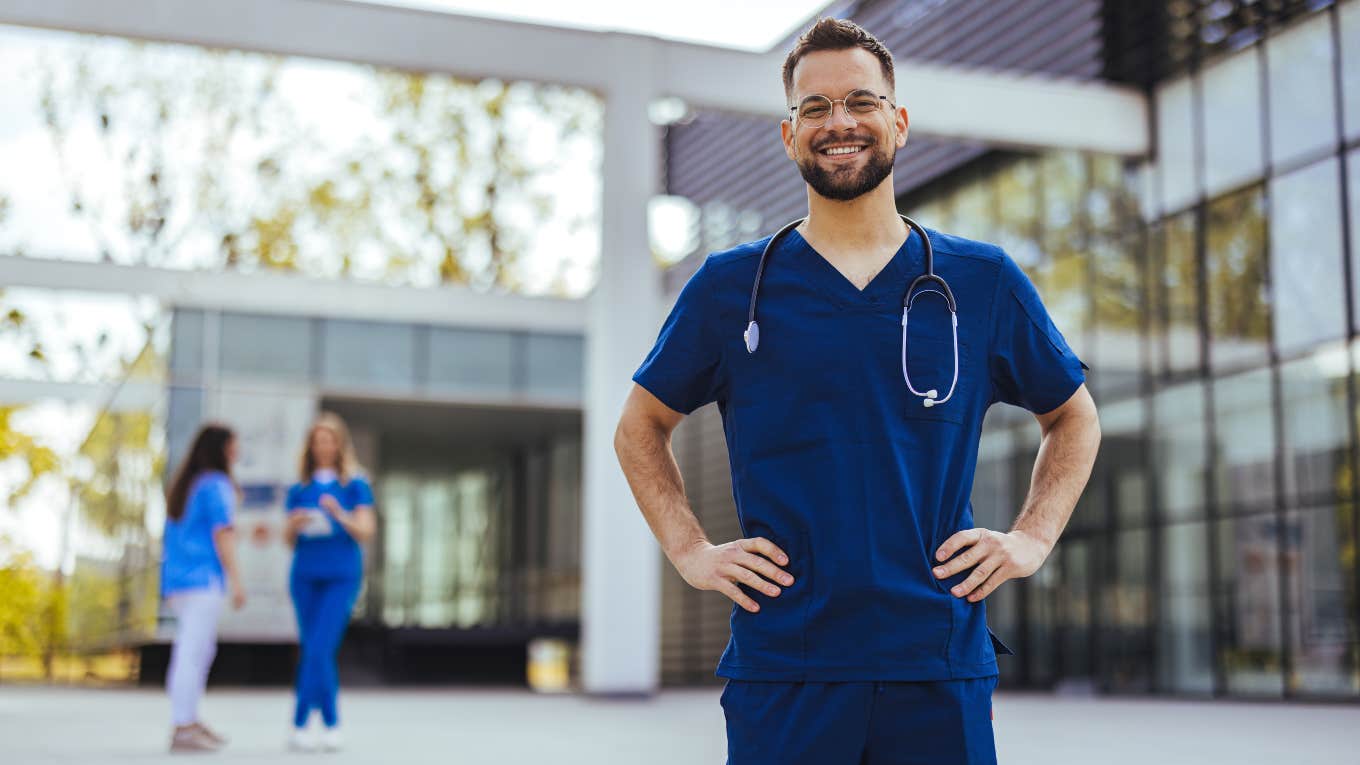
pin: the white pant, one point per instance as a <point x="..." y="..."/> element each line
<point x="191" y="656"/>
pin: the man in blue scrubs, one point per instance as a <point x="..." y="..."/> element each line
<point x="859" y="632"/>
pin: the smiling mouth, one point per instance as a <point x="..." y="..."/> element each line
<point x="841" y="151"/>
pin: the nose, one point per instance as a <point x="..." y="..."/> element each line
<point x="844" y="121"/>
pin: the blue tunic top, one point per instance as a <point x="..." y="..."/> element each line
<point x="190" y="559"/>
<point x="332" y="553"/>
<point x="838" y="463"/>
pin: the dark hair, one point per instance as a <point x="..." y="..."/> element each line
<point x="209" y="452"/>
<point x="837" y="34"/>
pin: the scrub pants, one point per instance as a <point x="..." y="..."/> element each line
<point x="876" y="723"/>
<point x="323" y="606"/>
<point x="191" y="654"/>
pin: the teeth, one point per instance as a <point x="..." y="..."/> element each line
<point x="842" y="150"/>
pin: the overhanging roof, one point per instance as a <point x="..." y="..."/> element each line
<point x="999" y="108"/>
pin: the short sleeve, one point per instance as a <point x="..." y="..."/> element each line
<point x="360" y="493"/>
<point x="682" y="369"/>
<point x="1031" y="364"/>
<point x="293" y="500"/>
<point x="219" y="499"/>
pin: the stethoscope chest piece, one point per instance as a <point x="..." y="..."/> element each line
<point x="752" y="337"/>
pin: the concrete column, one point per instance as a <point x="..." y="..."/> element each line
<point x="620" y="604"/>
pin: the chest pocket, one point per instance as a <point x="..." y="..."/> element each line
<point x="930" y="363"/>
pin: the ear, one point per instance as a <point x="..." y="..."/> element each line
<point x="903" y="123"/>
<point x="787" y="135"/>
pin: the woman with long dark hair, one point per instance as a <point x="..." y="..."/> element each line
<point x="198" y="571"/>
<point x="330" y="514"/>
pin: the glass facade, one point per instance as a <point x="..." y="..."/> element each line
<point x="1213" y="291"/>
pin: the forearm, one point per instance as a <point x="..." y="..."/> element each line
<point x="358" y="523"/>
<point x="1067" y="453"/>
<point x="645" y="454"/>
<point x="224" y="540"/>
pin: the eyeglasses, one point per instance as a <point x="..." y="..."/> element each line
<point x="814" y="111"/>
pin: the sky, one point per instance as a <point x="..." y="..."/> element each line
<point x="751" y="25"/>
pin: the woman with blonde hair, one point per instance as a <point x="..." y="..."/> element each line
<point x="330" y="514"/>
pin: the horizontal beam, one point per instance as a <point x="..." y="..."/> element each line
<point x="287" y="294"/>
<point x="113" y="396"/>
<point x="997" y="108"/>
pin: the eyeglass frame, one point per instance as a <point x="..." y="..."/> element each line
<point x="793" y="110"/>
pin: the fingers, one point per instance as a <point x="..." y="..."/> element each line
<point x="994" y="581"/>
<point x="748" y="577"/>
<point x="974" y="580"/>
<point x="764" y="547"/>
<point x="765" y="568"/>
<point x="734" y="592"/>
<point x="959" y="540"/>
<point x="963" y="561"/>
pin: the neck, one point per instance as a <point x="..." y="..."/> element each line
<point x="867" y="223"/>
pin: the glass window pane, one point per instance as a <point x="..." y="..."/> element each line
<point x="1232" y="122"/>
<point x="1117" y="345"/>
<point x="1317" y="428"/>
<point x="1323" y="625"/>
<point x="1302" y="107"/>
<point x="1305" y="265"/>
<point x="1184" y="653"/>
<point x="1239" y="312"/>
<point x="1177" y="296"/>
<point x="1179" y="449"/>
<point x="471" y="361"/>
<point x="266" y="346"/>
<point x="555" y="366"/>
<point x="186" y="344"/>
<point x="1120" y="472"/>
<point x="1350" y="66"/>
<point x="1245" y="429"/>
<point x="1127" y="641"/>
<point x="1353" y="184"/>
<point x="185" y="414"/>
<point x="368" y="354"/>
<point x="1248" y="604"/>
<point x="1076" y="638"/>
<point x="1176" y="144"/>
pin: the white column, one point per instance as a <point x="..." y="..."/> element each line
<point x="621" y="587"/>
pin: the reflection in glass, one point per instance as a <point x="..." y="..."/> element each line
<point x="1350" y="67"/>
<point x="1232" y="121"/>
<point x="1239" y="311"/>
<point x="1176" y="144"/>
<point x="1248" y="603"/>
<point x="1305" y="265"/>
<point x="1302" y="109"/>
<point x="1184" y="660"/>
<point x="1076" y="636"/>
<point x="1317" y="430"/>
<point x="1116" y="349"/>
<point x="1127" y="646"/>
<point x="1322" y="577"/>
<point x="1120" y="472"/>
<point x="1244" y="425"/>
<point x="1177" y="297"/>
<point x="1179" y="450"/>
<point x="1017" y="189"/>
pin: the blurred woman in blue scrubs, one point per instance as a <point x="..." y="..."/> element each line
<point x="330" y="514"/>
<point x="198" y="571"/>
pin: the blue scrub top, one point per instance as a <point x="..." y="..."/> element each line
<point x="838" y="463"/>
<point x="336" y="554"/>
<point x="190" y="561"/>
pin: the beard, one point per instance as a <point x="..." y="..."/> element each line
<point x="843" y="184"/>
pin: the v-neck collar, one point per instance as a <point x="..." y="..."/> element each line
<point x="885" y="288"/>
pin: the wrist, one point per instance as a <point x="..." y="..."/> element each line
<point x="678" y="552"/>
<point x="1040" y="541"/>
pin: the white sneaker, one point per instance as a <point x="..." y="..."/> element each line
<point x="331" y="741"/>
<point x="302" y="740"/>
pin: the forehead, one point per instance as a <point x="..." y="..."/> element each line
<point x="837" y="72"/>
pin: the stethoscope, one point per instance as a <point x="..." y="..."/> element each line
<point x="931" y="397"/>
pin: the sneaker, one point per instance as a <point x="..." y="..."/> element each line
<point x="213" y="735"/>
<point x="331" y="740"/>
<point x="190" y="739"/>
<point x="302" y="740"/>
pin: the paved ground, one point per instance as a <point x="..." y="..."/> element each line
<point x="63" y="725"/>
